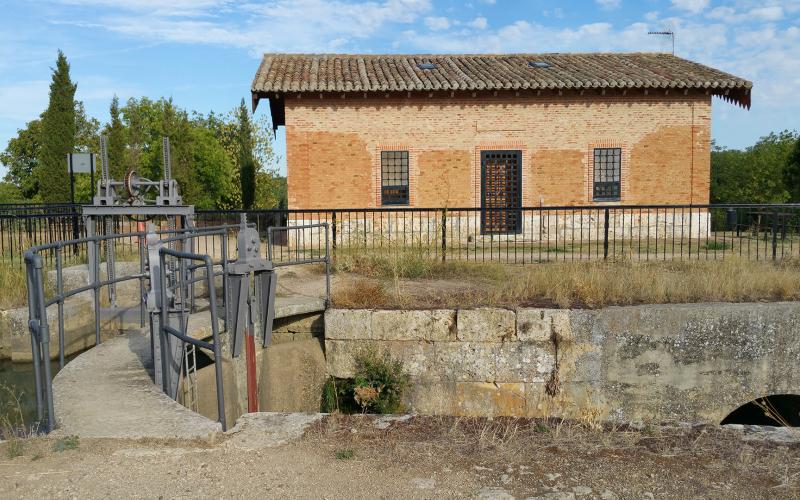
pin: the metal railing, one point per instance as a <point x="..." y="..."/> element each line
<point x="182" y="284"/>
<point x="52" y="257"/>
<point x="564" y="233"/>
<point x="298" y="256"/>
<point x="518" y="235"/>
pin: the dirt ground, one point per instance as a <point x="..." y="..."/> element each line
<point x="419" y="457"/>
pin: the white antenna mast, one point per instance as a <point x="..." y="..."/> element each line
<point x="669" y="33"/>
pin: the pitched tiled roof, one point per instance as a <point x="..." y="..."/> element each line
<point x="283" y="73"/>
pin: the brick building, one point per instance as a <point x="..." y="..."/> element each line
<point x="494" y="131"/>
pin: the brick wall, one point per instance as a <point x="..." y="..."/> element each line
<point x="333" y="147"/>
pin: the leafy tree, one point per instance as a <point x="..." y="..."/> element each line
<point x="9" y="193"/>
<point x="211" y="174"/>
<point x="270" y="187"/>
<point x="57" y="135"/>
<point x="21" y="157"/>
<point x="22" y="154"/>
<point x="247" y="164"/>
<point x="791" y="175"/>
<point x="271" y="190"/>
<point x="754" y="175"/>
<point x="115" y="131"/>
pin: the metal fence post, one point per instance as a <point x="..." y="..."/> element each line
<point x="33" y="327"/>
<point x="333" y="233"/>
<point x="605" y="234"/>
<point x="444" y="234"/>
<point x="44" y="338"/>
<point x="774" y="234"/>
<point x="60" y="292"/>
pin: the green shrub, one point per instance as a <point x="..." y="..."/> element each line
<point x="66" y="443"/>
<point x="377" y="387"/>
<point x="345" y="454"/>
<point x="337" y="396"/>
<point x="717" y="245"/>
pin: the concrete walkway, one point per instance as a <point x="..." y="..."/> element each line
<point x="107" y="392"/>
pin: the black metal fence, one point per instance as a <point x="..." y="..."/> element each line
<point x="534" y="234"/>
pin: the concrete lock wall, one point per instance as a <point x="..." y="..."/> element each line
<point x="685" y="362"/>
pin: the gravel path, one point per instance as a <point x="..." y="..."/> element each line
<point x="361" y="457"/>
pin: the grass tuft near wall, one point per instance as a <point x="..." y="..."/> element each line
<point x="13" y="287"/>
<point x="410" y="280"/>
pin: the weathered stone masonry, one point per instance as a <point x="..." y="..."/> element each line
<point x="687" y="362"/>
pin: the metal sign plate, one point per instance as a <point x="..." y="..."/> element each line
<point x="81" y="162"/>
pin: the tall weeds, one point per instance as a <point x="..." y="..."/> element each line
<point x="402" y="279"/>
<point x="12" y="422"/>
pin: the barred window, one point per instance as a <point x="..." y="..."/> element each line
<point x="607" y="166"/>
<point x="394" y="177"/>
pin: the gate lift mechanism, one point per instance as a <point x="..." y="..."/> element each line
<point x="133" y="197"/>
<point x="252" y="282"/>
<point x="251" y="278"/>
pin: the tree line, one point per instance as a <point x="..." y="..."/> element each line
<point x="766" y="172"/>
<point x="219" y="160"/>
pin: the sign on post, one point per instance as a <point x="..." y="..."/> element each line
<point x="81" y="163"/>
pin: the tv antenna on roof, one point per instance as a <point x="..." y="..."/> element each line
<point x="669" y="33"/>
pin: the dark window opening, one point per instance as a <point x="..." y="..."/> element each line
<point x="607" y="174"/>
<point x="394" y="177"/>
<point x="777" y="410"/>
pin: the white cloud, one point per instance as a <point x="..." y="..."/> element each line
<point x="771" y="13"/>
<point x="721" y="13"/>
<point x="437" y="23"/>
<point x="609" y="4"/>
<point x="480" y="23"/>
<point x="280" y="25"/>
<point x="189" y="8"/>
<point x="692" y="6"/>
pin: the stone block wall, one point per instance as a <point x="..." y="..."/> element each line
<point x="684" y="362"/>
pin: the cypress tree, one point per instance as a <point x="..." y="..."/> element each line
<point x="58" y="135"/>
<point x="116" y="141"/>
<point x="247" y="164"/>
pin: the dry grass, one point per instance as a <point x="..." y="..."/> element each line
<point x="585" y="454"/>
<point x="403" y="279"/>
<point x="13" y="288"/>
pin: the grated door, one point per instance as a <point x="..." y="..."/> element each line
<point x="501" y="192"/>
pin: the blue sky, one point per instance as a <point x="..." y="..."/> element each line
<point x="204" y="53"/>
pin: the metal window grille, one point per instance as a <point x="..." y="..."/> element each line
<point x="501" y="192"/>
<point x="607" y="167"/>
<point x="394" y="177"/>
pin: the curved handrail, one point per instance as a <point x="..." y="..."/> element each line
<point x="38" y="304"/>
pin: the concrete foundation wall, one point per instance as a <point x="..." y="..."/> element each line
<point x="692" y="362"/>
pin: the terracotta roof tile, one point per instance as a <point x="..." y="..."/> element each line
<point x="371" y="73"/>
